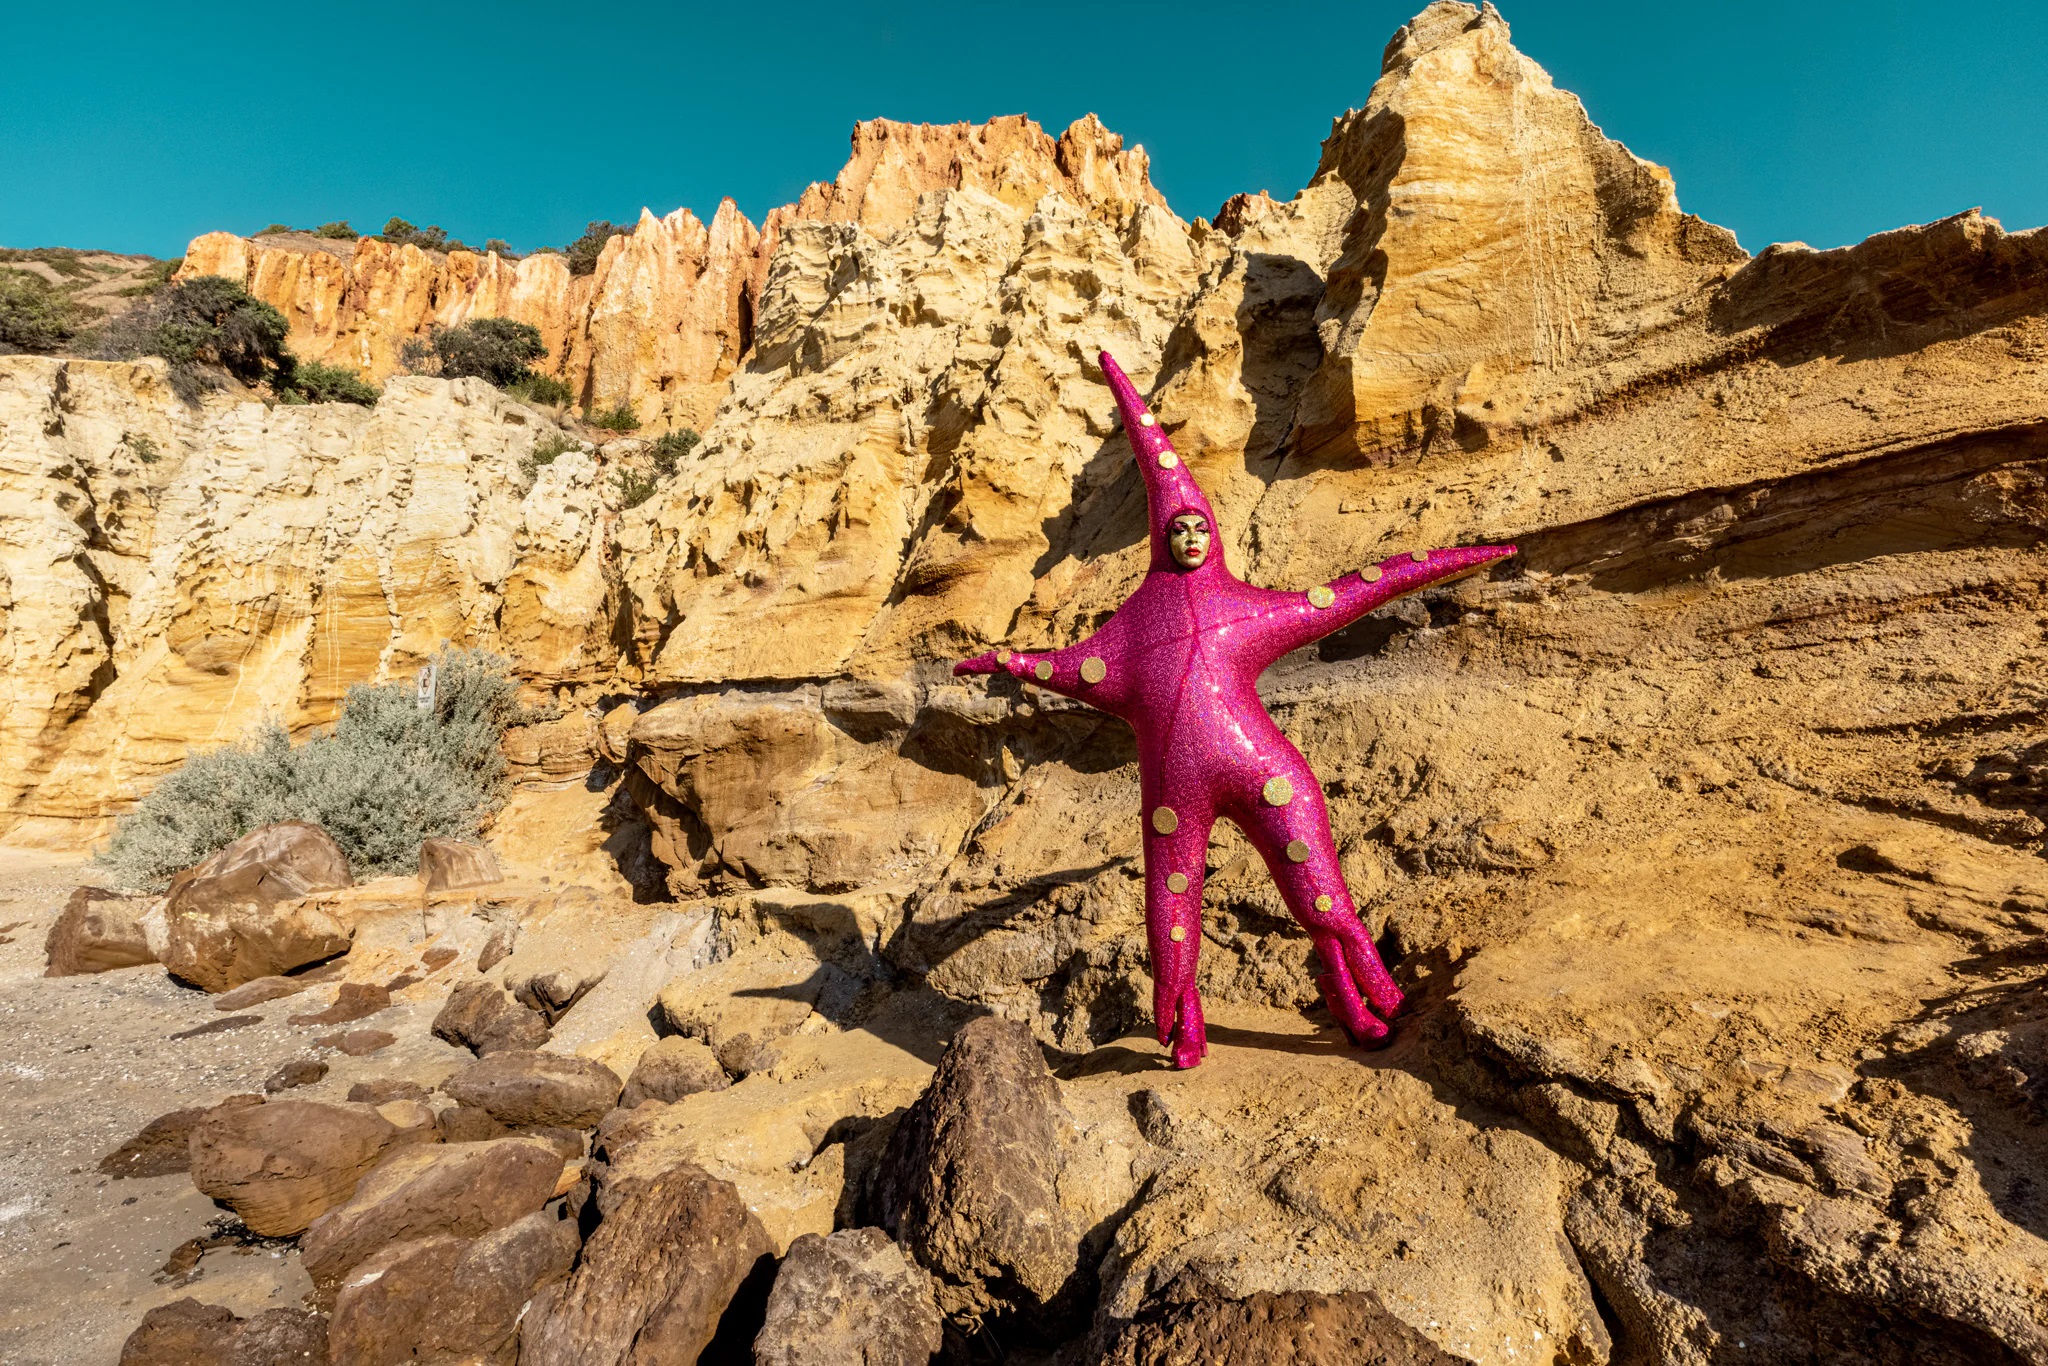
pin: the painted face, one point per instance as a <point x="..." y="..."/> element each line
<point x="1188" y="538"/>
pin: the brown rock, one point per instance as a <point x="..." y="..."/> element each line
<point x="188" y="1333"/>
<point x="498" y="947"/>
<point x="1294" y="1326"/>
<point x="969" y="1181"/>
<point x="463" y="1190"/>
<point x="433" y="960"/>
<point x="282" y="1165"/>
<point x="525" y="1088"/>
<point x="672" y="1068"/>
<point x="446" y="865"/>
<point x="379" y="1090"/>
<point x="444" y="1298"/>
<point x="357" y="1043"/>
<point x="850" y="1297"/>
<point x="470" y="1124"/>
<point x="671" y="1257"/>
<point x="352" y="1001"/>
<point x="97" y="931"/>
<point x="257" y="992"/>
<point x="242" y="914"/>
<point x="296" y="1073"/>
<point x="163" y="1146"/>
<point x="552" y="988"/>
<point x="482" y="1016"/>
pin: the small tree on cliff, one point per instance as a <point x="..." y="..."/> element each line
<point x="203" y="326"/>
<point x="495" y="349"/>
<point x="389" y="775"/>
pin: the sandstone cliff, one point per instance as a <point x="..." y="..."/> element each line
<point x="1709" y="833"/>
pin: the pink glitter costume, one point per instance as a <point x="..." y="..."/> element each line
<point x="1179" y="661"/>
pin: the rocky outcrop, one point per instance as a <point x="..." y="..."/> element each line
<point x="849" y="1297"/>
<point x="98" y="932"/>
<point x="188" y="1333"/>
<point x="463" y="1190"/>
<point x="523" y="1088"/>
<point x="444" y="1298"/>
<point x="667" y="1261"/>
<point x="248" y="912"/>
<point x="279" y="1166"/>
<point x="483" y="1017"/>
<point x="450" y="865"/>
<point x="1706" y="838"/>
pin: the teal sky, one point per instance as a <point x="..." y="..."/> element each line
<point x="134" y="127"/>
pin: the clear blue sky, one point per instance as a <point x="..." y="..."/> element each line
<point x="136" y="126"/>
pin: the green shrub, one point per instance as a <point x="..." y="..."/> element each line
<point x="200" y="325"/>
<point x="274" y="229"/>
<point x="312" y="382"/>
<point x="670" y="448"/>
<point x="545" y="389"/>
<point x="494" y="349"/>
<point x="143" y="448"/>
<point x="635" y="486"/>
<point x="400" y="233"/>
<point x="620" y="417"/>
<point x="340" y="231"/>
<point x="584" y="251"/>
<point x="386" y="777"/>
<point x="35" y="315"/>
<point x="545" y="452"/>
<point x="501" y="247"/>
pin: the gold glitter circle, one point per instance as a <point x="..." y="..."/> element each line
<point x="1043" y="669"/>
<point x="1297" y="852"/>
<point x="1176" y="934"/>
<point x="1164" y="820"/>
<point x="1323" y="902"/>
<point x="1004" y="656"/>
<point x="1419" y="556"/>
<point x="1320" y="596"/>
<point x="1278" y="791"/>
<point x="1176" y="882"/>
<point x="1093" y="670"/>
<point x="1147" y="420"/>
<point x="1167" y="460"/>
<point x="1372" y="573"/>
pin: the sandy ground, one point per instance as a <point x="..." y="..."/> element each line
<point x="86" y="1062"/>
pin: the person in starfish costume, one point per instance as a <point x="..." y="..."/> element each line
<point x="1179" y="662"/>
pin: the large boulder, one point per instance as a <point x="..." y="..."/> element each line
<point x="449" y="1299"/>
<point x="482" y="1016"/>
<point x="448" y="865"/>
<point x="282" y="1165"/>
<point x="188" y="1333"/>
<point x="674" y="1067"/>
<point x="969" y="1181"/>
<point x="241" y="914"/>
<point x="463" y="1190"/>
<point x="852" y="1297"/>
<point x="163" y="1147"/>
<point x="670" y="1259"/>
<point x="97" y="931"/>
<point x="526" y="1089"/>
<point x="1189" y="1323"/>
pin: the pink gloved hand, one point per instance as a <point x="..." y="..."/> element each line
<point x="983" y="663"/>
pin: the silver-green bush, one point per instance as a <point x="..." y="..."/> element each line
<point x="386" y="777"/>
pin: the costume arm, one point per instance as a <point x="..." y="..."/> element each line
<point x="1082" y="670"/>
<point x="1293" y="620"/>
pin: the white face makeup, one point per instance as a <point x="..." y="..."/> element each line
<point x="1188" y="538"/>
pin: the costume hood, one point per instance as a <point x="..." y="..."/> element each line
<point x="1169" y="489"/>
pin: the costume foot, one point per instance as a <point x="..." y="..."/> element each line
<point x="1342" y="998"/>
<point x="1371" y="976"/>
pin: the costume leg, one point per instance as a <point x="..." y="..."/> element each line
<point x="1295" y="842"/>
<point x="1174" y="865"/>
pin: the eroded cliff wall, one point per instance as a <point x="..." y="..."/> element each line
<point x="1709" y="832"/>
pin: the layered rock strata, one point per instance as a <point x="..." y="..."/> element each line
<point x="1707" y="836"/>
